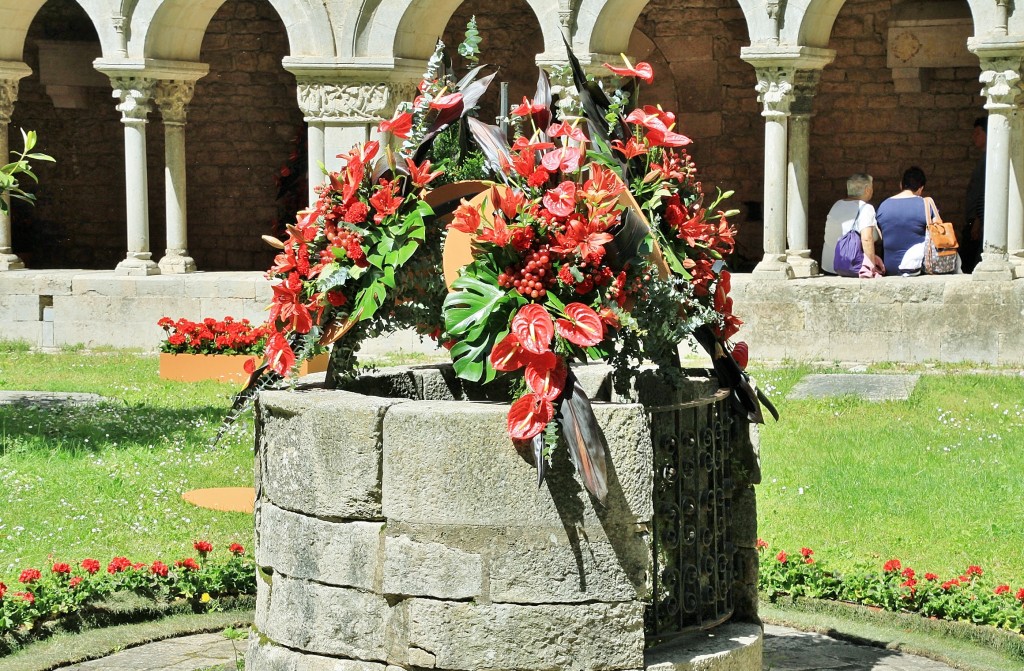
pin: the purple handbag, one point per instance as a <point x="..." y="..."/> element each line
<point x="849" y="254"/>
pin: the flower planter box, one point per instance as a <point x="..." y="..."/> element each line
<point x="397" y="526"/>
<point x="222" y="367"/>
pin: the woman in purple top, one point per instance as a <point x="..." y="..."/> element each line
<point x="901" y="218"/>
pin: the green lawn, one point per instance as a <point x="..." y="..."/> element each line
<point x="105" y="480"/>
<point x="934" y="481"/>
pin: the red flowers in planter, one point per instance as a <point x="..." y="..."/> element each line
<point x="212" y="336"/>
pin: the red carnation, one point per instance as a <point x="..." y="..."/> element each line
<point x="892" y="565"/>
<point x="159" y="568"/>
<point x="189" y="564"/>
<point x="930" y="576"/>
<point x="90" y="565"/>
<point x="236" y="549"/>
<point x="61" y="568"/>
<point x="974" y="570"/>
<point x="782" y="557"/>
<point x="118" y="564"/>
<point x="203" y="547"/>
<point x="1002" y="589"/>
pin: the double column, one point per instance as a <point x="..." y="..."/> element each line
<point x="137" y="86"/>
<point x="342" y="105"/>
<point x="786" y="81"/>
<point x="10" y="74"/>
<point x="1004" y="213"/>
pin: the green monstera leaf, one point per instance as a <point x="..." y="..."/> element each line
<point x="471" y="311"/>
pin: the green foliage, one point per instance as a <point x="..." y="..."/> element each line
<point x="477" y="313"/>
<point x="470" y="47"/>
<point x="9" y="173"/>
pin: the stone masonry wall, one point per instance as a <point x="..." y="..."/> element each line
<point x="408" y="534"/>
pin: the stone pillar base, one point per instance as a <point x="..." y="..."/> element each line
<point x="773" y="267"/>
<point x="137" y="263"/>
<point x="734" y="646"/>
<point x="993" y="267"/>
<point x="802" y="263"/>
<point x="1017" y="263"/>
<point x="177" y="262"/>
<point x="10" y="262"/>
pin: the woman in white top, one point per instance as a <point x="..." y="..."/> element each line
<point x="853" y="213"/>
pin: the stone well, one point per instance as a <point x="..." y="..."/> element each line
<point x="399" y="529"/>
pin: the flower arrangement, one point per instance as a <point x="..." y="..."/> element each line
<point x="41" y="595"/>
<point x="592" y="241"/>
<point x="970" y="596"/>
<point x="212" y="336"/>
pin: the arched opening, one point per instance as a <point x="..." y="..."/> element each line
<point x="902" y="91"/>
<point x="512" y="38"/>
<point x="78" y="220"/>
<point x="698" y="74"/>
<point x="244" y="131"/>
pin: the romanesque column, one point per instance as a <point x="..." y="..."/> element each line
<point x="135" y="95"/>
<point x="798" y="253"/>
<point x="1015" y="208"/>
<point x="173" y="97"/>
<point x="1000" y="80"/>
<point x="775" y="93"/>
<point x="10" y="74"/>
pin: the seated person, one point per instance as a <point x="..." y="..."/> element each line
<point x="901" y="219"/>
<point x="853" y="213"/>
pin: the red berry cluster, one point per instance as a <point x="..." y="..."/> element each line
<point x="351" y="242"/>
<point x="533" y="276"/>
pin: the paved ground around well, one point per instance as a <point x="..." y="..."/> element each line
<point x="785" y="649"/>
<point x="868" y="387"/>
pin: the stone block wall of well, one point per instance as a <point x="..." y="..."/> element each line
<point x="399" y="533"/>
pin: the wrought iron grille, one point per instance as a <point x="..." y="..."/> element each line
<point x="693" y="549"/>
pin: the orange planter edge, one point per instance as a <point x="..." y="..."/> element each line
<point x="222" y="367"/>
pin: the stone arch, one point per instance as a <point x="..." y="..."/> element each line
<point x="174" y="29"/>
<point x="409" y="28"/>
<point x="16" y="16"/>
<point x="599" y="25"/>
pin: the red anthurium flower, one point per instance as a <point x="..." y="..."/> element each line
<point x="399" y="126"/>
<point x="280" y="356"/>
<point x="450" y="107"/>
<point x="741" y="354"/>
<point x="521" y="143"/>
<point x="666" y="138"/>
<point x="566" y="159"/>
<point x="528" y="416"/>
<point x="249" y="366"/>
<point x="631" y="149"/>
<point x="466" y="218"/>
<point x="652" y="117"/>
<point x="534" y="328"/>
<point x="641" y="70"/>
<point x="509" y="354"/>
<point x="545" y="375"/>
<point x="566" y="129"/>
<point x="561" y="200"/>
<point x="420" y="174"/>
<point x="582" y="325"/>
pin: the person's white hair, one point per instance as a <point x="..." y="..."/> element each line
<point x="857" y="184"/>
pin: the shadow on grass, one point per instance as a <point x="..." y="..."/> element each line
<point x="75" y="429"/>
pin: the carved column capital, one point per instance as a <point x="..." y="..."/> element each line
<point x="135" y="95"/>
<point x="8" y="96"/>
<point x="172" y="97"/>
<point x="775" y="90"/>
<point x="356" y="102"/>
<point x="1001" y="83"/>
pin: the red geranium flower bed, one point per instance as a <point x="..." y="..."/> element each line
<point x="212" y="336"/>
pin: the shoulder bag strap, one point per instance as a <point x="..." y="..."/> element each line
<point x="929" y="208"/>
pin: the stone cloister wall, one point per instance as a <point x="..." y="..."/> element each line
<point x="244" y="116"/>
<point x="241" y="126"/>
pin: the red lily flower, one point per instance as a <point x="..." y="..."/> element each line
<point x="288" y="306"/>
<point x="631" y="149"/>
<point x="385" y="201"/>
<point x="584" y="237"/>
<point x="421" y="175"/>
<point x="641" y="70"/>
<point x="497" y="233"/>
<point x="582" y="325"/>
<point x="534" y="328"/>
<point x="528" y="416"/>
<point x="466" y="218"/>
<point x="399" y="126"/>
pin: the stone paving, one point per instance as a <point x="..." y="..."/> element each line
<point x="48" y="399"/>
<point x="867" y="387"/>
<point x="785" y="649"/>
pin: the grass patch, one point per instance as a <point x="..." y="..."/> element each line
<point x="934" y="480"/>
<point x="105" y="480"/>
